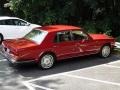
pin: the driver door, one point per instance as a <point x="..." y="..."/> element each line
<point x="84" y="43"/>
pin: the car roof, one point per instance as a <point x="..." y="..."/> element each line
<point x="7" y="17"/>
<point x="54" y="28"/>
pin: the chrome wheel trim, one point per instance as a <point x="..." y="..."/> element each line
<point x="47" y="61"/>
<point x="106" y="51"/>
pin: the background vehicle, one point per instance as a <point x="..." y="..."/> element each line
<point x="45" y="45"/>
<point x="13" y="27"/>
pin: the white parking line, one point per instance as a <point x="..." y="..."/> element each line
<point x="3" y="71"/>
<point x="3" y="60"/>
<point x="28" y="86"/>
<point x="63" y="73"/>
<point x="44" y="77"/>
<point x="41" y="87"/>
<point x="108" y="65"/>
<point x="32" y="86"/>
<point x="73" y="76"/>
<point x="91" y="79"/>
<point x="114" y="62"/>
<point x="53" y="75"/>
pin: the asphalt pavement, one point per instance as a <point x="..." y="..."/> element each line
<point x="83" y="73"/>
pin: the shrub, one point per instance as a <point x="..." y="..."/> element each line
<point x="90" y="27"/>
<point x="118" y="39"/>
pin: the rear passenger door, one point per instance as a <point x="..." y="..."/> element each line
<point x="21" y="27"/>
<point x="7" y="28"/>
<point x="13" y="28"/>
<point x="64" y="46"/>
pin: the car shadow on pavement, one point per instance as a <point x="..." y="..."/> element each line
<point x="13" y="76"/>
<point x="32" y="70"/>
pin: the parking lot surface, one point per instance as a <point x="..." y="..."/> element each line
<point x="83" y="73"/>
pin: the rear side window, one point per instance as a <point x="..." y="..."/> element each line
<point x="14" y="22"/>
<point x="19" y="22"/>
<point x="6" y="22"/>
<point x="2" y="22"/>
<point x="63" y="36"/>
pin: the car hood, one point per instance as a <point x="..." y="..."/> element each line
<point x="17" y="44"/>
<point x="100" y="36"/>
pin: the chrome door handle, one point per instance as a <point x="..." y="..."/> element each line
<point x="54" y="46"/>
<point x="83" y="45"/>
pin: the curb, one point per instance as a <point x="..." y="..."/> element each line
<point x="117" y="47"/>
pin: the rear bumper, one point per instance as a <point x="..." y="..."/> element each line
<point x="11" y="59"/>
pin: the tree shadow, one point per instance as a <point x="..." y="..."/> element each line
<point x="13" y="76"/>
<point x="32" y="70"/>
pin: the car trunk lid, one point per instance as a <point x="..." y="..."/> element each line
<point x="18" y="44"/>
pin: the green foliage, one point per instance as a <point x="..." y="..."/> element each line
<point x="118" y="39"/>
<point x="4" y="11"/>
<point x="104" y="26"/>
<point x="97" y="16"/>
<point x="90" y="27"/>
<point x="99" y="27"/>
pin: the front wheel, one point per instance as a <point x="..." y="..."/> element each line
<point x="1" y="38"/>
<point x="47" y="61"/>
<point x="105" y="51"/>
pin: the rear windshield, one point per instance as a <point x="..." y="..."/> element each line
<point x="36" y="36"/>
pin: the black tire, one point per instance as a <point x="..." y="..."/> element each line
<point x="49" y="63"/>
<point x="1" y="38"/>
<point x="105" y="51"/>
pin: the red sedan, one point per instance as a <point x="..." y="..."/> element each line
<point x="47" y="44"/>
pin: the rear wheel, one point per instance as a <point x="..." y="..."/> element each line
<point x="47" y="61"/>
<point x="105" y="51"/>
<point x="1" y="38"/>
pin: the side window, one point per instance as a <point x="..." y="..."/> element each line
<point x="19" y="22"/>
<point x="2" y="22"/>
<point x="23" y="23"/>
<point x="8" y="22"/>
<point x="79" y="35"/>
<point x="63" y="36"/>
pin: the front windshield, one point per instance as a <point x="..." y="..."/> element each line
<point x="36" y="35"/>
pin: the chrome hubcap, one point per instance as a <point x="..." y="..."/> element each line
<point x="47" y="61"/>
<point x="106" y="51"/>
